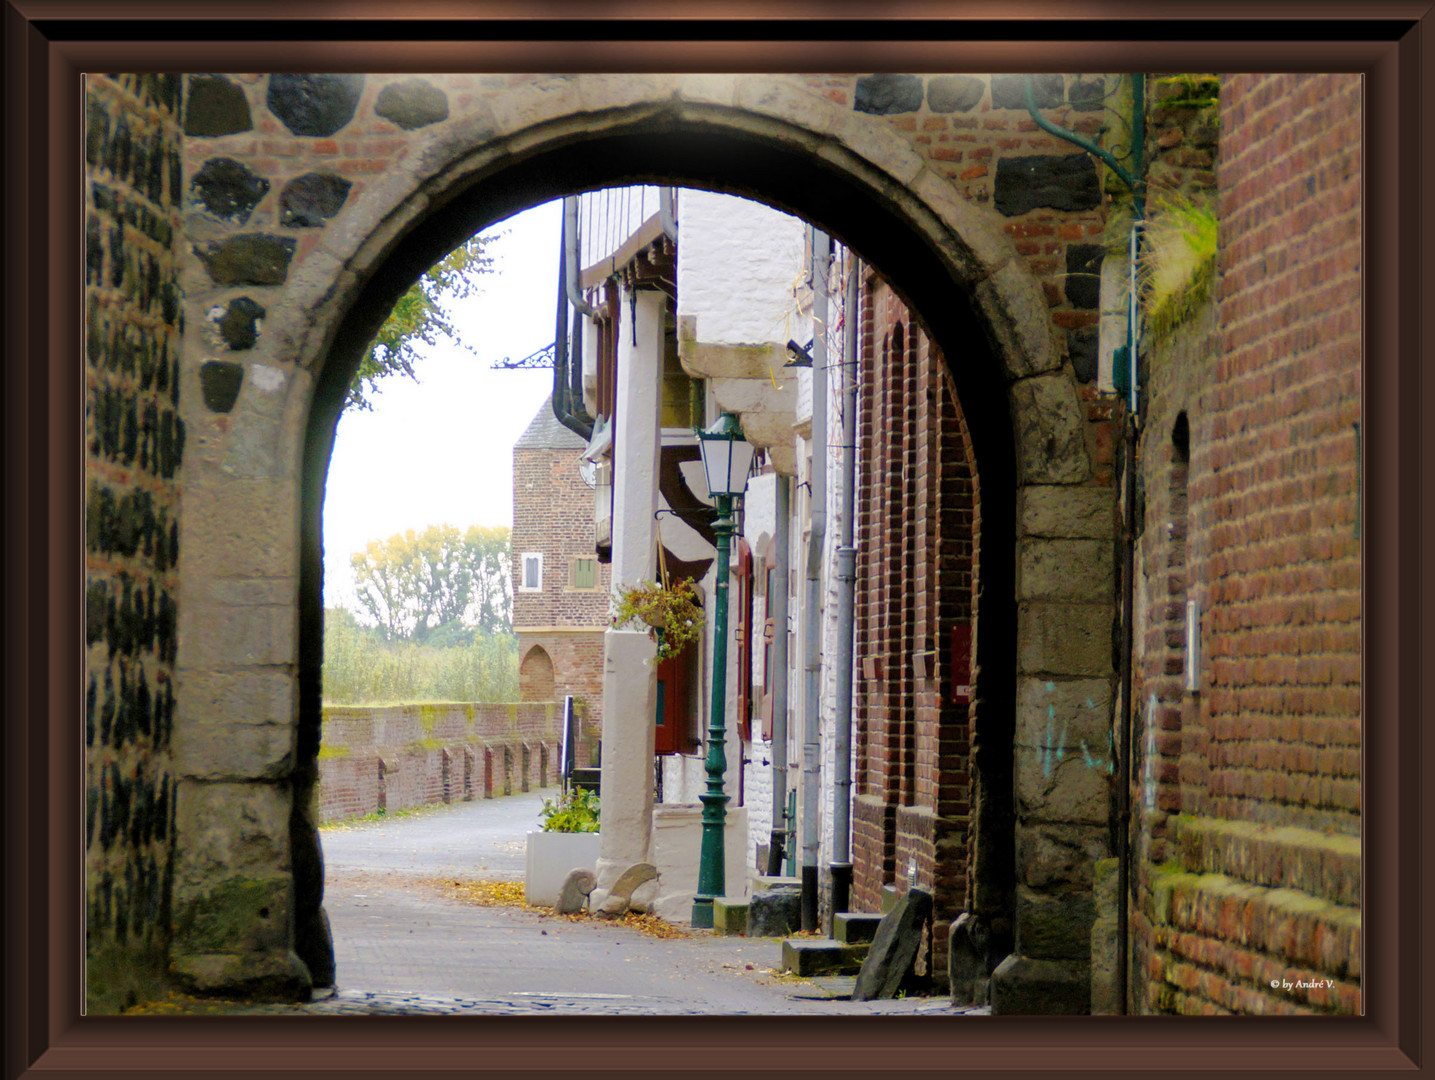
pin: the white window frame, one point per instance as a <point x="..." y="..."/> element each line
<point x="537" y="556"/>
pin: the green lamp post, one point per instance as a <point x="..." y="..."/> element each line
<point x="727" y="457"/>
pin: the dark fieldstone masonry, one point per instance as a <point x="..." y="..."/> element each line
<point x="954" y="93"/>
<point x="219" y="381"/>
<point x="1033" y="181"/>
<point x="228" y="190"/>
<point x="1083" y="275"/>
<point x="887" y="94"/>
<point x="411" y="104"/>
<point x="310" y="200"/>
<point x="314" y="104"/>
<point x="1009" y="91"/>
<point x="216" y="107"/>
<point x="239" y="325"/>
<point x="248" y="259"/>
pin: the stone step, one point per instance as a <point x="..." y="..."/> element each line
<point x="854" y="927"/>
<point x="764" y="882"/>
<point x="730" y="916"/>
<point x="774" y="913"/>
<point x="890" y="896"/>
<point x="820" y="956"/>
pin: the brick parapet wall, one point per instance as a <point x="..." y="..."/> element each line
<point x="134" y="443"/>
<point x="402" y="756"/>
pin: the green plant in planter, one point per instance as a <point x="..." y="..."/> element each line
<point x="671" y="613"/>
<point x="577" y="811"/>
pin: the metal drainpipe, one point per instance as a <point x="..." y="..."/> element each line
<point x="577" y="421"/>
<point x="846" y="586"/>
<point x="812" y="613"/>
<point x="777" y="597"/>
<point x="1128" y="554"/>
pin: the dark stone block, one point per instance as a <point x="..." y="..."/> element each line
<point x="1082" y="349"/>
<point x="968" y="972"/>
<point x="885" y="94"/>
<point x="228" y="190"/>
<point x="216" y="107"/>
<point x="248" y="259"/>
<point x="239" y="325"/>
<point x="1022" y="986"/>
<point x="890" y="961"/>
<point x="1054" y="927"/>
<point x="1086" y="95"/>
<point x="1083" y="275"/>
<point x="220" y="381"/>
<point x="311" y="199"/>
<point x="314" y="104"/>
<point x="1009" y="91"/>
<point x="413" y="103"/>
<point x="1031" y="181"/>
<point x="774" y="913"/>
<point x="954" y="93"/>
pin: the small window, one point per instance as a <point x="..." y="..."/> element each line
<point x="584" y="573"/>
<point x="532" y="580"/>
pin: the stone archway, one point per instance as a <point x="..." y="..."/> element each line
<point x="250" y="622"/>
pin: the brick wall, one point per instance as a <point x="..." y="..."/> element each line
<point x="916" y="516"/>
<point x="134" y="443"/>
<point x="400" y="756"/>
<point x="553" y="514"/>
<point x="1247" y="792"/>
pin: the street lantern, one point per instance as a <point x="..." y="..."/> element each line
<point x="727" y="457"/>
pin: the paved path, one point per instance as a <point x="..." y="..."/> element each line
<point x="402" y="945"/>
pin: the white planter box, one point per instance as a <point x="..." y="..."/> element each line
<point x="550" y="857"/>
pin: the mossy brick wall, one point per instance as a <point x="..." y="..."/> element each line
<point x="134" y="445"/>
<point x="1257" y="879"/>
<point x="400" y="756"/>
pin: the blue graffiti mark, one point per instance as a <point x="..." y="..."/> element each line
<point x="1054" y="745"/>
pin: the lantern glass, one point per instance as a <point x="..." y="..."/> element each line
<point x="727" y="456"/>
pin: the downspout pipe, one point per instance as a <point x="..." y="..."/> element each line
<point x="777" y="598"/>
<point x="1135" y="180"/>
<point x="569" y="389"/>
<point x="666" y="212"/>
<point x="812" y="612"/>
<point x="1130" y="437"/>
<point x="846" y="589"/>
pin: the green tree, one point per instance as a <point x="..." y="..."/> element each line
<point x="421" y="316"/>
<point x="439" y="586"/>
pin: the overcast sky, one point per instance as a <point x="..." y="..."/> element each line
<point x="441" y="450"/>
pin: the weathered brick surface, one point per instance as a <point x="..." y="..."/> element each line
<point x="1258" y="524"/>
<point x="134" y="444"/>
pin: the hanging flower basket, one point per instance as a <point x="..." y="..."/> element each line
<point x="671" y="613"/>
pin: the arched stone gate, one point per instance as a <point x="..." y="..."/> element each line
<point x="378" y="178"/>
